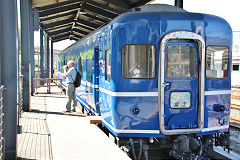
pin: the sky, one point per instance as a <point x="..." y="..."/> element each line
<point x="227" y="9"/>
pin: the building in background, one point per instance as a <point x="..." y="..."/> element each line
<point x="236" y="58"/>
<point x="37" y="70"/>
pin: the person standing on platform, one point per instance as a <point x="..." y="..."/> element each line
<point x="70" y="74"/>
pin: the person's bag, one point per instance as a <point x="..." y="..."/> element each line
<point x="77" y="81"/>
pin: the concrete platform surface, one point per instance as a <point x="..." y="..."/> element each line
<point x="51" y="133"/>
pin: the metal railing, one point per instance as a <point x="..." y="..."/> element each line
<point x="2" y="96"/>
<point x="46" y="82"/>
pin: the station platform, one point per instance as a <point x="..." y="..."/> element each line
<point x="50" y="133"/>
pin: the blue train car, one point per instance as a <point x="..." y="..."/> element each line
<point x="160" y="75"/>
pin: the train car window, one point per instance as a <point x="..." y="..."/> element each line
<point x="236" y="67"/>
<point x="217" y="59"/>
<point x="138" y="61"/>
<point x="81" y="66"/>
<point x="89" y="70"/>
<point x="180" y="61"/>
<point x="108" y="65"/>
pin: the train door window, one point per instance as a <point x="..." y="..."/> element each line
<point x="181" y="61"/>
<point x="235" y="67"/>
<point x="217" y="62"/>
<point x="108" y="65"/>
<point x="138" y="61"/>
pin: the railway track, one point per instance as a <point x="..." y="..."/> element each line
<point x="235" y="120"/>
<point x="235" y="97"/>
<point x="235" y="106"/>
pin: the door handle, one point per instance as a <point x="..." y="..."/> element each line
<point x="166" y="84"/>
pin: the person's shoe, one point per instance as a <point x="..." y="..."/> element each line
<point x="74" y="110"/>
<point x="68" y="111"/>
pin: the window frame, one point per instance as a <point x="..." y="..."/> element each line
<point x="206" y="62"/>
<point x="155" y="54"/>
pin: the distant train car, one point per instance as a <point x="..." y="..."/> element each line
<point x="158" y="76"/>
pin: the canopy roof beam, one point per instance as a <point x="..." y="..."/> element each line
<point x="59" y="27"/>
<point x="120" y="3"/>
<point x="96" y="18"/>
<point x="79" y="25"/>
<point x="76" y="35"/>
<point x="66" y="34"/>
<point x="73" y="38"/>
<point x="87" y="23"/>
<point x="58" y="16"/>
<point x="79" y="31"/>
<point x="59" y="31"/>
<point x="67" y="3"/>
<point x="60" y="9"/>
<point x="58" y="23"/>
<point x="60" y="39"/>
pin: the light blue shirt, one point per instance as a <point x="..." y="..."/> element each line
<point x="71" y="75"/>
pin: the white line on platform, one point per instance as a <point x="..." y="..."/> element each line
<point x="232" y="155"/>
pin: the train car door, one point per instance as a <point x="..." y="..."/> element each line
<point x="95" y="79"/>
<point x="180" y="85"/>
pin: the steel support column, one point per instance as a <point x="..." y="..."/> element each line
<point x="48" y="58"/>
<point x="45" y="54"/>
<point x="9" y="30"/>
<point x="41" y="54"/>
<point x="31" y="44"/>
<point x="179" y="3"/>
<point x="0" y="46"/>
<point x="52" y="59"/>
<point x="25" y="52"/>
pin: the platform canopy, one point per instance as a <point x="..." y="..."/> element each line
<point x="74" y="19"/>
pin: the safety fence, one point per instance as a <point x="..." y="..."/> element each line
<point x="46" y="82"/>
<point x="2" y="96"/>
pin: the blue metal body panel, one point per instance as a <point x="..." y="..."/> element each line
<point x="146" y="28"/>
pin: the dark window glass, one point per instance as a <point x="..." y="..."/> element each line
<point x="89" y="70"/>
<point x="108" y="65"/>
<point x="217" y="62"/>
<point x="138" y="61"/>
<point x="81" y="66"/>
<point x="180" y="61"/>
<point x="236" y="67"/>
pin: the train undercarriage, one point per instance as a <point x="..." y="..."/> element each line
<point x="171" y="147"/>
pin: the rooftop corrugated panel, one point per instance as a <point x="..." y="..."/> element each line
<point x="74" y="19"/>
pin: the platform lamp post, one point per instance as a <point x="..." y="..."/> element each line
<point x="9" y="51"/>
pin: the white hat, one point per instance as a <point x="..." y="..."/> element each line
<point x="71" y="62"/>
